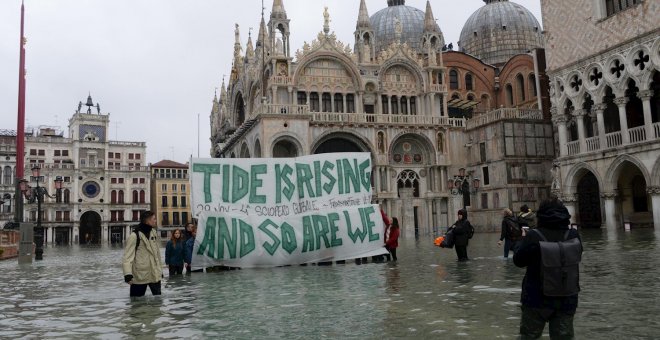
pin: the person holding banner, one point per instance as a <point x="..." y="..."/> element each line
<point x="393" y="241"/>
<point x="189" y="250"/>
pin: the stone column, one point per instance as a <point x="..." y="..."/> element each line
<point x="432" y="100"/>
<point x="332" y="102"/>
<point x="408" y="105"/>
<point x="621" y="103"/>
<point x="275" y="100"/>
<point x="379" y="104"/>
<point x="343" y="99"/>
<point x="307" y="98"/>
<point x="292" y="99"/>
<point x="600" y="120"/>
<point x="655" y="208"/>
<point x="377" y="181"/>
<point x="560" y="120"/>
<point x="579" y="115"/>
<point x="612" y="222"/>
<point x="49" y="236"/>
<point x="570" y="201"/>
<point x="389" y="104"/>
<point x="429" y="214"/>
<point x="646" y="96"/>
<point x="359" y="103"/>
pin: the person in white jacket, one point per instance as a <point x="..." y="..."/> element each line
<point x="141" y="262"/>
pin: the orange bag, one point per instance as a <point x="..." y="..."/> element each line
<point x="439" y="240"/>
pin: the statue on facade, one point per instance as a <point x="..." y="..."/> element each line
<point x="98" y="108"/>
<point x="79" y="106"/>
<point x="556" y="177"/>
<point x="326" y="20"/>
<point x="279" y="46"/>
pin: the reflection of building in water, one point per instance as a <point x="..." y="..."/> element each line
<point x="605" y="88"/>
<point x="105" y="182"/>
<point x="397" y="92"/>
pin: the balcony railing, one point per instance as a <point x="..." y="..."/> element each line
<point x="281" y="80"/>
<point x="593" y="143"/>
<point x="637" y="134"/>
<point x="573" y="147"/>
<point x="504" y="113"/>
<point x="438" y="88"/>
<point x="613" y="139"/>
<point x="363" y="118"/>
<point x="656" y="129"/>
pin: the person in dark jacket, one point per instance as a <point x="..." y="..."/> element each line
<point x="462" y="229"/>
<point x="174" y="253"/>
<point x="393" y="241"/>
<point x="553" y="221"/>
<point x="510" y="241"/>
<point x="189" y="250"/>
<point x="187" y="232"/>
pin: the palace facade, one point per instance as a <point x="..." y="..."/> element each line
<point x="604" y="69"/>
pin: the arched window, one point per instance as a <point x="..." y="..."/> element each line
<point x="468" y="82"/>
<point x="135" y="196"/>
<point x="113" y="196"/>
<point x="611" y="113"/>
<point x="350" y="103"/>
<point x="302" y="98"/>
<point x="386" y="106"/>
<point x="327" y="103"/>
<point x="413" y="106"/>
<point x="532" y="84"/>
<point x="7" y="176"/>
<point x="314" y="102"/>
<point x="521" y="87"/>
<point x="508" y="89"/>
<point x="142" y="194"/>
<point x="339" y="102"/>
<point x="120" y="197"/>
<point x="395" y="105"/>
<point x="404" y="105"/>
<point x="67" y="196"/>
<point x="453" y="79"/>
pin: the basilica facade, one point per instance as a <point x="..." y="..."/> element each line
<point x="445" y="128"/>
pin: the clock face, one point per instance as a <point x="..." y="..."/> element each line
<point x="91" y="189"/>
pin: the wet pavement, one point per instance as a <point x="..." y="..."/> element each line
<point x="78" y="292"/>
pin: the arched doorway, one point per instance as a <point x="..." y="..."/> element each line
<point x="285" y="149"/>
<point x="337" y="145"/>
<point x="240" y="110"/>
<point x="634" y="201"/>
<point x="90" y="228"/>
<point x="589" y="202"/>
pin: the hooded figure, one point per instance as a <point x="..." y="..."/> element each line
<point x="553" y="220"/>
<point x="462" y="229"/>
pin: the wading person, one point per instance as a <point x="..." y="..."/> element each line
<point x="551" y="253"/>
<point x="175" y="253"/>
<point x="190" y="244"/>
<point x="526" y="217"/>
<point x="462" y="231"/>
<point x="141" y="263"/>
<point x="393" y="240"/>
<point x="511" y="233"/>
<point x="187" y="233"/>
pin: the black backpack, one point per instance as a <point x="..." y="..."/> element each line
<point x="514" y="229"/>
<point x="470" y="232"/>
<point x="560" y="265"/>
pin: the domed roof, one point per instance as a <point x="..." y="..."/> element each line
<point x="500" y="30"/>
<point x="412" y="25"/>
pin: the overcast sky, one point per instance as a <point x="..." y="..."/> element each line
<point x="155" y="64"/>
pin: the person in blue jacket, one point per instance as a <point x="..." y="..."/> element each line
<point x="174" y="253"/>
<point x="190" y="243"/>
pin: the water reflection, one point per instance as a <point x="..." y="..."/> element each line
<point x="79" y="291"/>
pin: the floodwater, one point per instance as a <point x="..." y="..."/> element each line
<point x="78" y="292"/>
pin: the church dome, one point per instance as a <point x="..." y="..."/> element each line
<point x="500" y="30"/>
<point x="412" y="25"/>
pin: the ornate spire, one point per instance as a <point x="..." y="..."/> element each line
<point x="363" y="16"/>
<point x="249" y="49"/>
<point x="278" y="10"/>
<point x="429" y="19"/>
<point x="237" y="44"/>
<point x="263" y="32"/>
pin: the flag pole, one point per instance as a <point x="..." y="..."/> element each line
<point x="20" y="123"/>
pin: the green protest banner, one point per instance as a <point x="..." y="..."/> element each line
<point x="243" y="241"/>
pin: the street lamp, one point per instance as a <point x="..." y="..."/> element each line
<point x="459" y="185"/>
<point x="37" y="194"/>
